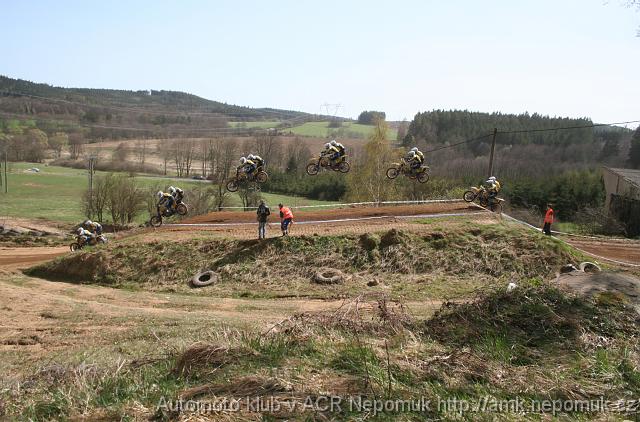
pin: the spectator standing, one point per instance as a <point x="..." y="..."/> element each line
<point x="286" y="218"/>
<point x="548" y="220"/>
<point x="263" y="215"/>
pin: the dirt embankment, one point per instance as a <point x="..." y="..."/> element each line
<point x="427" y="263"/>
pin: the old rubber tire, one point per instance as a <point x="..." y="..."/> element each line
<point x="156" y="221"/>
<point x="328" y="276"/>
<point x="344" y="167"/>
<point x="392" y="173"/>
<point x="469" y="196"/>
<point x="590" y="267"/>
<point x="313" y="169"/>
<point x="74" y="246"/>
<point x="423" y="177"/>
<point x="261" y="177"/>
<point x="232" y="185"/>
<point x="205" y="278"/>
<point x="182" y="209"/>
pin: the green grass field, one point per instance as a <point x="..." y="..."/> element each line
<point x="55" y="193"/>
<point x="322" y="130"/>
<point x="261" y="125"/>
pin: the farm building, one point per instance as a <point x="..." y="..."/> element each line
<point x="623" y="197"/>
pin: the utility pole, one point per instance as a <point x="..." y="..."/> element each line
<point x="6" y="181"/>
<point x="92" y="164"/>
<point x="493" y="148"/>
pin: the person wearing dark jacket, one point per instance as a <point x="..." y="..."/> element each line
<point x="263" y="214"/>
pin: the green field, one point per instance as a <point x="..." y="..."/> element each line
<point x="261" y="125"/>
<point x="55" y="193"/>
<point x="348" y="130"/>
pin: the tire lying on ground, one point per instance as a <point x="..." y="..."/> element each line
<point x="204" y="278"/>
<point x="590" y="267"/>
<point x="328" y="276"/>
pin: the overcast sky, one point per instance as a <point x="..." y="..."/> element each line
<point x="568" y="58"/>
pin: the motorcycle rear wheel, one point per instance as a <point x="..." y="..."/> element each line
<point x="262" y="177"/>
<point x="423" y="177"/>
<point x="344" y="167"/>
<point x="182" y="209"/>
<point x="74" y="246"/>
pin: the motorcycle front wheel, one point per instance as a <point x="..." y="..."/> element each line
<point x="156" y="221"/>
<point x="469" y="196"/>
<point x="74" y="246"/>
<point x="313" y="169"/>
<point x="393" y="172"/>
<point x="232" y="185"/>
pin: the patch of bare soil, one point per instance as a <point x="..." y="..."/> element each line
<point x="13" y="259"/>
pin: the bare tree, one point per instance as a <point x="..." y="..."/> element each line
<point x="222" y="154"/>
<point x="76" y="145"/>
<point x="269" y="147"/>
<point x="57" y="142"/>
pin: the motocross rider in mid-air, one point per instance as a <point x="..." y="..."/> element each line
<point x="415" y="159"/>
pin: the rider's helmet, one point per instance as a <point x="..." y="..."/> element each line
<point x="87" y="223"/>
<point x="79" y="231"/>
<point x="251" y="157"/>
<point x="327" y="145"/>
<point x="159" y="194"/>
<point x="492" y="178"/>
<point x="243" y="160"/>
<point x="172" y="190"/>
<point x="414" y="149"/>
<point x="334" y="143"/>
<point x="412" y="154"/>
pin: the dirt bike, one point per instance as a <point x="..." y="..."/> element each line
<point x="396" y="169"/>
<point x="258" y="176"/>
<point x="80" y="243"/>
<point x="481" y="194"/>
<point x="179" y="208"/>
<point x="323" y="161"/>
<point x="477" y="193"/>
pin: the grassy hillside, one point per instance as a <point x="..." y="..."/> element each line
<point x="55" y="193"/>
<point x="533" y="353"/>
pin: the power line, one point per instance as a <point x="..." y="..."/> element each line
<point x="569" y="127"/>
<point x="531" y="131"/>
<point x="459" y="143"/>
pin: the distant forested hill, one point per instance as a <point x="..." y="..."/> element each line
<point x="441" y="127"/>
<point x="150" y="101"/>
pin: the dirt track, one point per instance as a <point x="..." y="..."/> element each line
<point x="619" y="250"/>
<point x="18" y="258"/>
<point x="318" y="214"/>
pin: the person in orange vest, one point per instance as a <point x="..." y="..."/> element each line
<point x="548" y="220"/>
<point x="286" y="217"/>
